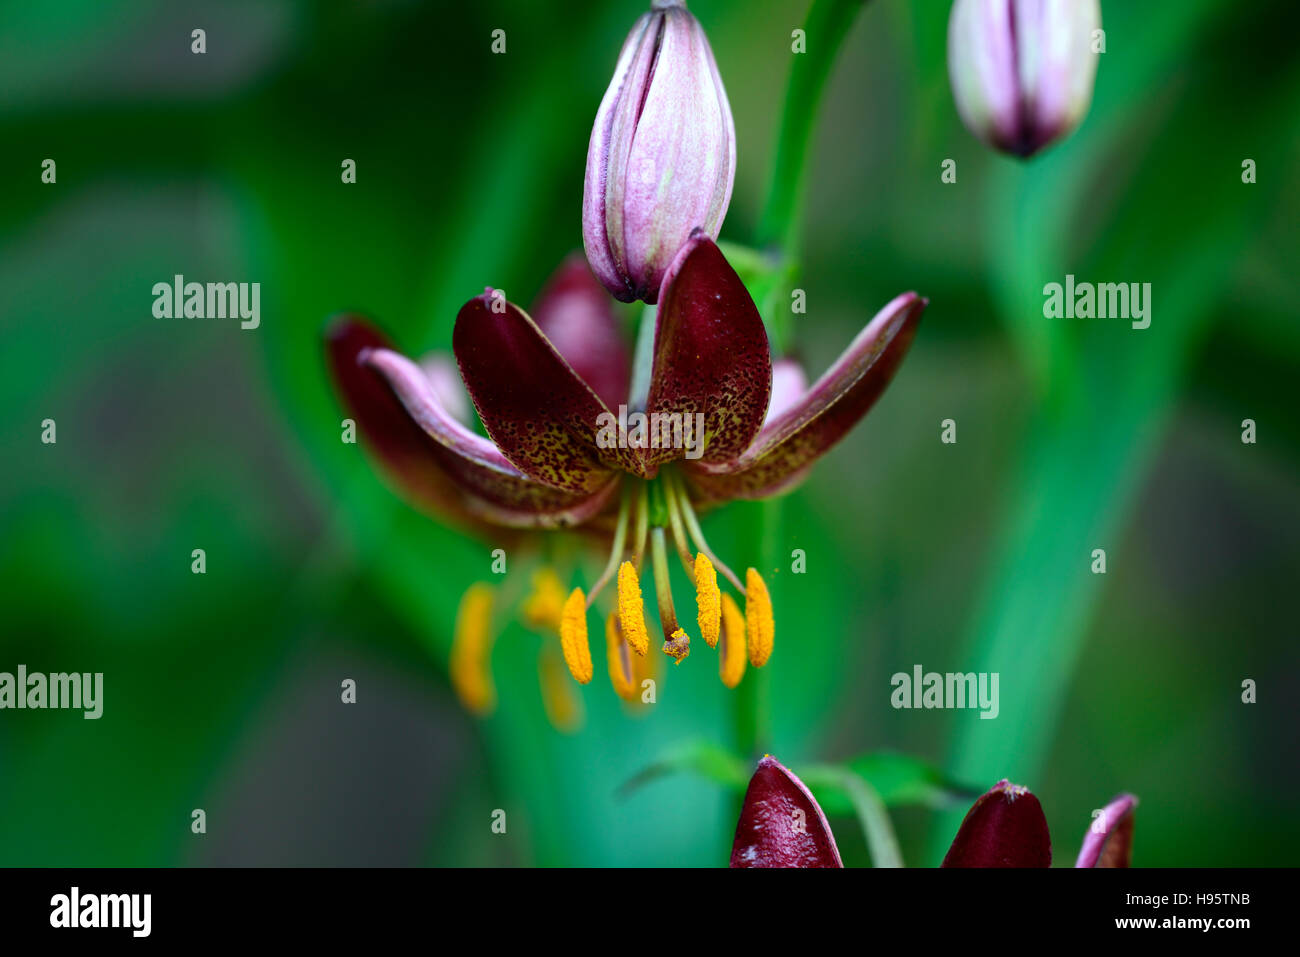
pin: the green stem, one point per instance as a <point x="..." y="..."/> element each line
<point x="781" y="227"/>
<point x="827" y="25"/>
<point x="752" y="697"/>
<point x="882" y="842"/>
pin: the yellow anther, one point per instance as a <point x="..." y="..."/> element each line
<point x="619" y="659"/>
<point x="678" y="645"/>
<point x="470" y="667"/>
<point x="560" y="699"/>
<point x="731" y="653"/>
<point x="573" y="636"/>
<point x="542" y="608"/>
<point x="707" y="598"/>
<point x="759" y="626"/>
<point x="631" y="610"/>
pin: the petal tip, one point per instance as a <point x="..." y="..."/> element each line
<point x="1005" y="827"/>
<point x="781" y="824"/>
<point x="1108" y="842"/>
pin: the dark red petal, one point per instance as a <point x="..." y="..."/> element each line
<point x="537" y="410"/>
<point x="710" y="354"/>
<point x="443" y="468"/>
<point x="781" y="824"/>
<point x="477" y="464"/>
<point x="577" y="315"/>
<point x="1004" y="828"/>
<point x="790" y="443"/>
<point x="1109" y="841"/>
<point x="407" y="454"/>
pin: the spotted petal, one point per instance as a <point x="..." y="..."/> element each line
<point x="790" y="443"/>
<point x="540" y="413"/>
<point x="781" y="823"/>
<point x="437" y="463"/>
<point x="710" y="354"/>
<point x="1004" y="828"/>
<point x="576" y="314"/>
<point x="1109" y="841"/>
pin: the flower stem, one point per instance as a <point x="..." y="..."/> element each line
<point x="781" y="223"/>
<point x="828" y="23"/>
<point x="753" y="695"/>
<point x="781" y="229"/>
<point x="872" y="814"/>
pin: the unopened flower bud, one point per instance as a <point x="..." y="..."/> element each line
<point x="1022" y="71"/>
<point x="662" y="157"/>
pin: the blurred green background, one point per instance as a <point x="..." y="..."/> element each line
<point x="222" y="690"/>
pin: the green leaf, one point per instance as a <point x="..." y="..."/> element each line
<point x="703" y="758"/>
<point x="899" y="779"/>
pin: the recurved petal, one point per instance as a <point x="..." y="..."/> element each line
<point x="538" y="411"/>
<point x="1109" y="841"/>
<point x="781" y="823"/>
<point x="576" y="314"/>
<point x="710" y="354"/>
<point x="440" y="369"/>
<point x="409" y="458"/>
<point x="436" y="460"/>
<point x="790" y="443"/>
<point x="1004" y="828"/>
<point x="406" y="453"/>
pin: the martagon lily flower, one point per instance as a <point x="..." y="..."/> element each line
<point x="782" y="825"/>
<point x="714" y="419"/>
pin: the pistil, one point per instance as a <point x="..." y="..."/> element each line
<point x="676" y="642"/>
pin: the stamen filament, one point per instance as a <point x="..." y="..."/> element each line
<point x="642" y="525"/>
<point x="676" y="642"/>
<point x="697" y="536"/>
<point x="616" y="550"/>
<point x="675" y="522"/>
